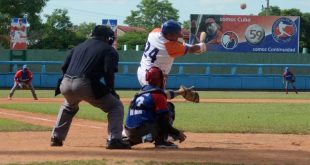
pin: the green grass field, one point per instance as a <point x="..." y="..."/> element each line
<point x="282" y="118"/>
<point x="7" y="125"/>
<point x="203" y="94"/>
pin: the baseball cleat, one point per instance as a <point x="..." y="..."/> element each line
<point x="164" y="144"/>
<point x="117" y="144"/>
<point x="55" y="142"/>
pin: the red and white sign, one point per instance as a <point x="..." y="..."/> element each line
<point x="18" y="34"/>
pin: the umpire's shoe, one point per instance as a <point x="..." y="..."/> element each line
<point x="118" y="144"/>
<point x="55" y="142"/>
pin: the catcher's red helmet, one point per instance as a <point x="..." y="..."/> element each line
<point x="154" y="76"/>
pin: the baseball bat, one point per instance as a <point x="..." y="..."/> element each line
<point x="202" y="37"/>
<point x="199" y="19"/>
<point x="195" y="37"/>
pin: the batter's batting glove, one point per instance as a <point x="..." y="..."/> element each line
<point x="189" y="94"/>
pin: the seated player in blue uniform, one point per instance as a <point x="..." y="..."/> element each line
<point x="150" y="116"/>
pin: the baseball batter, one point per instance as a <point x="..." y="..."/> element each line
<point x="161" y="48"/>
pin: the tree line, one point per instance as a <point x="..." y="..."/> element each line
<point x="58" y="32"/>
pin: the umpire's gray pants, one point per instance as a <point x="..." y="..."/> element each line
<point x="78" y="89"/>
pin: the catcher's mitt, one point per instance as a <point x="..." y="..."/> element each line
<point x="189" y="94"/>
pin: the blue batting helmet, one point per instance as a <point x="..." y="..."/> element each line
<point x="171" y="27"/>
<point x="25" y="66"/>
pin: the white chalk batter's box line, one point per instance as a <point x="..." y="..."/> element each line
<point x="48" y="120"/>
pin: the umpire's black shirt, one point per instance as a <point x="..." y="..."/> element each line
<point x="93" y="59"/>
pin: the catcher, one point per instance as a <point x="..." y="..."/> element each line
<point x="23" y="80"/>
<point x="162" y="47"/>
<point x="150" y="116"/>
<point x="289" y="78"/>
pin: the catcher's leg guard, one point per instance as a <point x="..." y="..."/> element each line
<point x="171" y="107"/>
<point x="162" y="137"/>
<point x="145" y="133"/>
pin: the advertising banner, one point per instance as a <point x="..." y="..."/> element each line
<point x="113" y="24"/>
<point x="243" y="33"/>
<point x="18" y="34"/>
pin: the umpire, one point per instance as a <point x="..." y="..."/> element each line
<point x="82" y="70"/>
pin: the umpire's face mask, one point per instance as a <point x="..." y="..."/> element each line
<point x="111" y="40"/>
<point x="110" y="36"/>
<point x="104" y="33"/>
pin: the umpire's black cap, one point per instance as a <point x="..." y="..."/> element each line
<point x="103" y="31"/>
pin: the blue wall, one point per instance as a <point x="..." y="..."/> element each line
<point x="127" y="79"/>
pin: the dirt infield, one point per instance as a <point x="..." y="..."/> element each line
<point x="86" y="140"/>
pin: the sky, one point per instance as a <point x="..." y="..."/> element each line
<point x="95" y="10"/>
